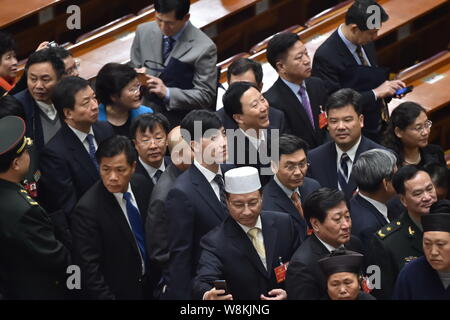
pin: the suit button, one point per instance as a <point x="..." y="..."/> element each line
<point x="140" y="279"/>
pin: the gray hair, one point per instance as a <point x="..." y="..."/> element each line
<point x="372" y="167"/>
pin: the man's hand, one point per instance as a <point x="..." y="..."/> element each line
<point x="215" y="294"/>
<point x="156" y="85"/>
<point x="388" y="88"/>
<point x="42" y="45"/>
<point x="275" y="294"/>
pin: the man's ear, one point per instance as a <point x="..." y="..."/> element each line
<point x="67" y="113"/>
<point x="402" y="200"/>
<point x="238" y="118"/>
<point x="274" y="165"/>
<point x="315" y="224"/>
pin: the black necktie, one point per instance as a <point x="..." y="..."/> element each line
<point x="219" y="180"/>
<point x="167" y="47"/>
<point x="158" y="174"/>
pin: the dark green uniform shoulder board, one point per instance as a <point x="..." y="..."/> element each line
<point x="389" y="229"/>
<point x="30" y="200"/>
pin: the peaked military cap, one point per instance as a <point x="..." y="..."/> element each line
<point x="12" y="133"/>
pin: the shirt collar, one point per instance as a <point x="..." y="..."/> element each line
<point x="119" y="195"/>
<point x="381" y="207"/>
<point x="351" y="153"/>
<point x="257" y="225"/>
<point x="152" y="170"/>
<point x="209" y="175"/>
<point x="294" y="87"/>
<point x="256" y="142"/>
<point x="48" y="109"/>
<point x="286" y="190"/>
<point x="329" y="247"/>
<point x="350" y="45"/>
<point x="81" y="135"/>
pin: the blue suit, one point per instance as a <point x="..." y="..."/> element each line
<point x="323" y="160"/>
<point x="366" y="219"/>
<point x="274" y="199"/>
<point x="419" y="281"/>
<point x="67" y="170"/>
<point x="193" y="209"/>
<point x="228" y="254"/>
<point x="276" y="119"/>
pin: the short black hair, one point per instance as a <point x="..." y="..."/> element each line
<point x="63" y="96"/>
<point x="289" y="144"/>
<point x="61" y="52"/>
<point x="279" y="45"/>
<point x="7" y="43"/>
<point x="359" y="15"/>
<point x="232" y="97"/>
<point x="46" y="55"/>
<point x="242" y="65"/>
<point x="209" y="120"/>
<point x="404" y="174"/>
<point x="10" y="106"/>
<point x="440" y="175"/>
<point x="181" y="7"/>
<point x="342" y="98"/>
<point x="114" y="146"/>
<point x="111" y="79"/>
<point x="149" y="121"/>
<point x="319" y="202"/>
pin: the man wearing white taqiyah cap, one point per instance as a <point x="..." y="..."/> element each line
<point x="258" y="244"/>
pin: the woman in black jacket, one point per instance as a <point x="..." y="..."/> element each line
<point x="407" y="135"/>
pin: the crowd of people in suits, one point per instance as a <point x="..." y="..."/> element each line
<point x="292" y="193"/>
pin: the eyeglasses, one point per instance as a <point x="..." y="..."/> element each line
<point x="135" y="89"/>
<point x="420" y="128"/>
<point x="301" y="166"/>
<point x="72" y="70"/>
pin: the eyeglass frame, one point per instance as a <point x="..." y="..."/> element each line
<point x="426" y="125"/>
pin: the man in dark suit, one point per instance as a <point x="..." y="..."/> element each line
<point x="331" y="163"/>
<point x="44" y="70"/>
<point x="247" y="70"/>
<point x="256" y="243"/>
<point x="347" y="59"/>
<point x="33" y="261"/>
<point x="373" y="173"/>
<point x="179" y="60"/>
<point x="327" y="214"/>
<point x="196" y="203"/>
<point x="249" y="144"/>
<point x="295" y="93"/>
<point x="290" y="186"/>
<point x="108" y="228"/>
<point x="156" y="226"/>
<point x="149" y="134"/>
<point x="67" y="162"/>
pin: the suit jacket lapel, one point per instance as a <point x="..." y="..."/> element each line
<point x="270" y="234"/>
<point x="293" y="107"/>
<point x="184" y="43"/>
<point x="242" y="243"/>
<point x="79" y="152"/>
<point x="205" y="191"/>
<point x="330" y="165"/>
<point x="112" y="206"/>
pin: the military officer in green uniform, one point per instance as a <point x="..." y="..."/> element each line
<point x="400" y="241"/>
<point x="33" y="262"/>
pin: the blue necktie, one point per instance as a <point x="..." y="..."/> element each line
<point x="136" y="225"/>
<point x="90" y="139"/>
<point x="167" y="47"/>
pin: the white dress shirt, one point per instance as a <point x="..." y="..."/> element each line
<point x="260" y="237"/>
<point x="209" y="175"/>
<point x="351" y="154"/>
<point x="152" y="170"/>
<point x="82" y="136"/>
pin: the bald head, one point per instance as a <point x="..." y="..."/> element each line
<point x="180" y="151"/>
